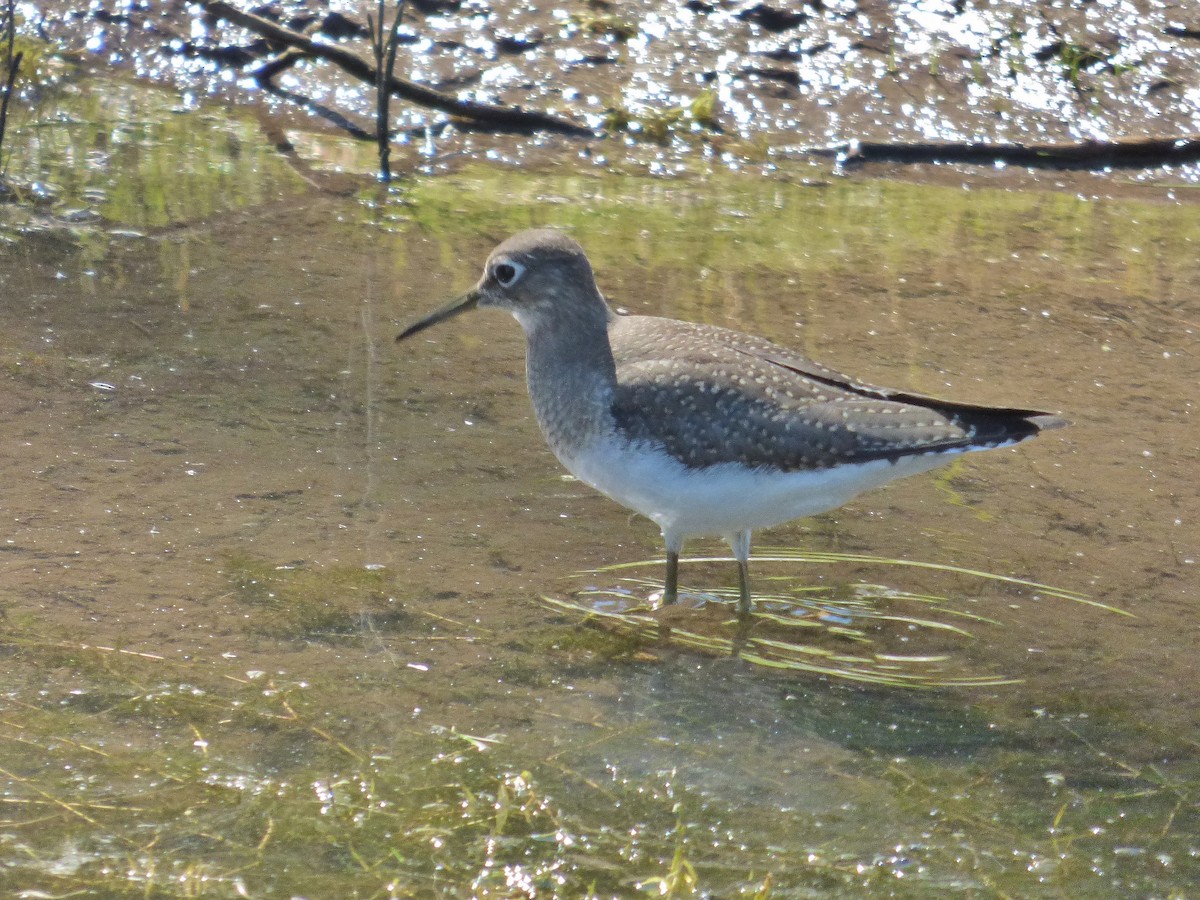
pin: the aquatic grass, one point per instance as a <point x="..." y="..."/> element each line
<point x="314" y="603"/>
<point x="606" y="25"/>
<point x="812" y="629"/>
<point x="660" y="125"/>
<point x="884" y="670"/>
<point x="128" y="773"/>
<point x="1099" y="791"/>
<point x="1074" y="59"/>
<point x="832" y="608"/>
<point x="264" y="799"/>
<point x="789" y="554"/>
<point x="726" y="636"/>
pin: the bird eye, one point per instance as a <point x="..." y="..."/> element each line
<point x="507" y="273"/>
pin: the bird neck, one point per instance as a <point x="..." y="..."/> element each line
<point x="571" y="376"/>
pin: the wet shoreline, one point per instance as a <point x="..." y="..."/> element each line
<point x="679" y="89"/>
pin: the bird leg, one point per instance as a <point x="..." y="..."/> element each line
<point x="739" y="542"/>
<point x="671" y="588"/>
<point x="744" y="589"/>
<point x="674" y="544"/>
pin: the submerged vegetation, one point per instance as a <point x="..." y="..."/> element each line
<point x="297" y="603"/>
<point x="224" y="782"/>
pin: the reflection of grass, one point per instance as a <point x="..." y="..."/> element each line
<point x="778" y="236"/>
<point x="826" y="630"/>
<point x="159" y="167"/>
<point x="943" y="480"/>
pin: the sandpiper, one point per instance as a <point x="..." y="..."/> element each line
<point x="704" y="430"/>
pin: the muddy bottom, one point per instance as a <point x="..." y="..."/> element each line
<point x="274" y="587"/>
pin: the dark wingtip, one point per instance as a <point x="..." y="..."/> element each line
<point x="1000" y="427"/>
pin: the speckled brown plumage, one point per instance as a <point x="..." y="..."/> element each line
<point x="709" y="395"/>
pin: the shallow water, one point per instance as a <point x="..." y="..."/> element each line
<point x="271" y="582"/>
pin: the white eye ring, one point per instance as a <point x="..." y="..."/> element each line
<point x="507" y="273"/>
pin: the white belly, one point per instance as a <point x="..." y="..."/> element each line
<point x="728" y="498"/>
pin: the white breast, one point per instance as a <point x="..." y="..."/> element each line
<point x="727" y="498"/>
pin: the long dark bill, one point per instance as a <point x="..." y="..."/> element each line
<point x="467" y="301"/>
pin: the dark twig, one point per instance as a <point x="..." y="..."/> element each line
<point x="1120" y="152"/>
<point x="12" y="64"/>
<point x="356" y="65"/>
<point x="385" y="64"/>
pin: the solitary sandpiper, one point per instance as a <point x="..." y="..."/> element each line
<point x="704" y="430"/>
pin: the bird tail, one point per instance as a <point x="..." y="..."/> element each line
<point x="992" y="427"/>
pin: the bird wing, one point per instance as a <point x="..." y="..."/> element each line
<point x="709" y="395"/>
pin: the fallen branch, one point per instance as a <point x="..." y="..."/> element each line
<point x="362" y="69"/>
<point x="1121" y="153"/>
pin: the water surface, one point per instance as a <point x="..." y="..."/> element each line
<point x="272" y="583"/>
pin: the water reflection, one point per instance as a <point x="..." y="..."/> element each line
<point x="130" y="155"/>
